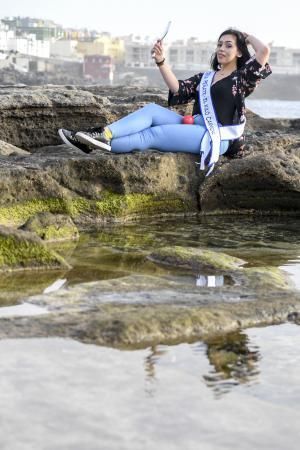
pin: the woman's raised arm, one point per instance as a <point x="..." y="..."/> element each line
<point x="262" y="51"/>
<point x="166" y="72"/>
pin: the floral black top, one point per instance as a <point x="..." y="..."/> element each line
<point x="243" y="81"/>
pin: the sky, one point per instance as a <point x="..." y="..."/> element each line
<point x="270" y="21"/>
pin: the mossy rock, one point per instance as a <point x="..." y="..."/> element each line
<point x="52" y="227"/>
<point x="111" y="207"/>
<point x="266" y="278"/>
<point x="24" y="250"/>
<point x="195" y="258"/>
<point x="136" y="204"/>
<point x="17" y="214"/>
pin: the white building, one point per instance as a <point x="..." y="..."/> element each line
<point x="285" y="60"/>
<point x="64" y="48"/>
<point x="5" y="35"/>
<point x="138" y="51"/>
<point x="29" y="45"/>
<point x="4" y="61"/>
<point x="190" y="54"/>
<point x="180" y="54"/>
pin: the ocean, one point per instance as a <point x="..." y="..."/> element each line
<point x="284" y="109"/>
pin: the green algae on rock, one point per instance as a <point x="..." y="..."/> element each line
<point x="263" y="278"/>
<point x="267" y="277"/>
<point x="16" y="214"/>
<point x="118" y="205"/>
<point x="52" y="227"/>
<point x="111" y="207"/>
<point x="195" y="258"/>
<point x="24" y="250"/>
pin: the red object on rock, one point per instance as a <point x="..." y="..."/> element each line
<point x="188" y="120"/>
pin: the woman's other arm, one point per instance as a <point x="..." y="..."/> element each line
<point x="262" y="51"/>
<point x="165" y="70"/>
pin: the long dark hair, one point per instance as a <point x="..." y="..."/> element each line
<point x="241" y="45"/>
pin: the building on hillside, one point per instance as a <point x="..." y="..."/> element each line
<point x="29" y="45"/>
<point x="190" y="54"/>
<point x="5" y="35"/>
<point x="104" y="45"/>
<point x="4" y="60"/>
<point x="64" y="48"/>
<point x="77" y="34"/>
<point x="138" y="52"/>
<point x="42" y="29"/>
<point x="98" y="68"/>
<point x="180" y="54"/>
<point x="285" y="60"/>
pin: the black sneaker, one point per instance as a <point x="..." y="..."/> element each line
<point x="94" y="137"/>
<point x="69" y="138"/>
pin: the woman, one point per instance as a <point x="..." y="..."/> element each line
<point x="218" y="112"/>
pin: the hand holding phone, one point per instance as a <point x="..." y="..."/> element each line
<point x="163" y="35"/>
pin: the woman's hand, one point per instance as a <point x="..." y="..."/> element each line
<point x="158" y="52"/>
<point x="262" y="51"/>
<point x="166" y="72"/>
<point x="246" y="35"/>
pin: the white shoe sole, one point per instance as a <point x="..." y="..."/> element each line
<point x="85" y="139"/>
<point x="65" y="140"/>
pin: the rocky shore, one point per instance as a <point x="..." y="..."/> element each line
<point x="50" y="192"/>
<point x="38" y="174"/>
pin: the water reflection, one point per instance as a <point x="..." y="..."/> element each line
<point x="155" y="353"/>
<point x="120" y="250"/>
<point x="231" y="362"/>
<point x="103" y="404"/>
<point x="268" y="241"/>
<point x="15" y="286"/>
<point x="210" y="280"/>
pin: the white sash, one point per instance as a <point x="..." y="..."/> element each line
<point x="211" y="141"/>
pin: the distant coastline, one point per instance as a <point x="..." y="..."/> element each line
<point x="279" y="87"/>
<point x="275" y="87"/>
<point x="274" y="108"/>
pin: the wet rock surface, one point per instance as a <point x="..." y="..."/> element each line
<point x="132" y="301"/>
<point x="195" y="258"/>
<point x="115" y="313"/>
<point x="46" y="181"/>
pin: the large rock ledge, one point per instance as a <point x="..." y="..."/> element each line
<point x="138" y="311"/>
<point x="30" y="116"/>
<point x="266" y="180"/>
<point x="93" y="189"/>
<point x="97" y="188"/>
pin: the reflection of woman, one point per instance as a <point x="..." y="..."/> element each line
<point x="219" y="107"/>
<point x="231" y="359"/>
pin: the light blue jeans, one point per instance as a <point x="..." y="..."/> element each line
<point x="155" y="127"/>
